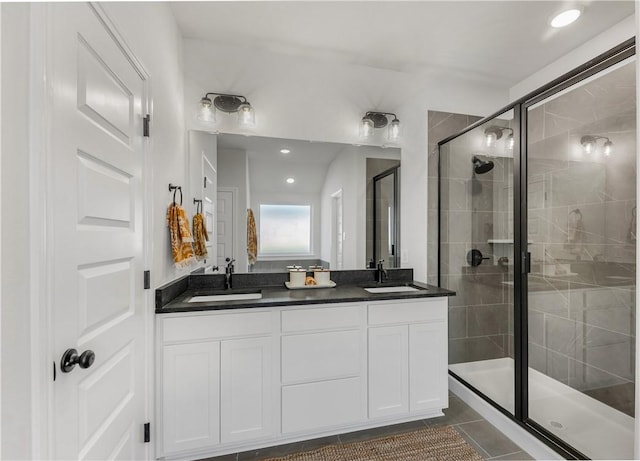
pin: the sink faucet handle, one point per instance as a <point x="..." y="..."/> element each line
<point x="381" y="273"/>
<point x="229" y="268"/>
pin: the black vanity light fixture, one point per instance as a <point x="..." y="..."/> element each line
<point x="228" y="103"/>
<point x="374" y="119"/>
<point x="589" y="142"/>
<point x="494" y="132"/>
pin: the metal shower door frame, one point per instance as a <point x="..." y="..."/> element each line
<point x="395" y="172"/>
<point x="521" y="256"/>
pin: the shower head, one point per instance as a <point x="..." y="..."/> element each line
<point x="481" y="166"/>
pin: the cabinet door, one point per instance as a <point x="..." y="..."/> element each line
<point x="247" y="389"/>
<point x="388" y="371"/>
<point x="191" y="396"/>
<point x="428" y="366"/>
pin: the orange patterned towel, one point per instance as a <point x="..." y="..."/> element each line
<point x="180" y="235"/>
<point x="200" y="236"/>
<point x="252" y="238"/>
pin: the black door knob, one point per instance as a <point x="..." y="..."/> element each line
<point x="70" y="359"/>
<point x="475" y="258"/>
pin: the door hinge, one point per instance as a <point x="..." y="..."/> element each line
<point x="145" y="125"/>
<point x="147" y="280"/>
<point x="147" y="432"/>
<point x="54" y="370"/>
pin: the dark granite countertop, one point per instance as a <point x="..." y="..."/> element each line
<point x="184" y="289"/>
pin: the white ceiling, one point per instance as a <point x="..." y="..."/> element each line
<point x="264" y="148"/>
<point x="307" y="162"/>
<point x="498" y="41"/>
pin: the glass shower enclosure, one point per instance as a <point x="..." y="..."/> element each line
<point x="537" y="236"/>
<point x="476" y="255"/>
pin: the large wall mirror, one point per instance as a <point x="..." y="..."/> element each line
<point x="313" y="203"/>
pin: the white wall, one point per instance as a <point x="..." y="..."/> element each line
<point x="201" y="146"/>
<point x="0" y="236"/>
<point x="15" y="184"/>
<point x="302" y="98"/>
<point x="342" y="174"/>
<point x="603" y="42"/>
<point x="348" y="173"/>
<point x="151" y="32"/>
<point x="232" y="172"/>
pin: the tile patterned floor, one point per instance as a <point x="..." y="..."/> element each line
<point x="480" y="434"/>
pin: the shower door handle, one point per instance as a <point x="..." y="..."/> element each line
<point x="526" y="263"/>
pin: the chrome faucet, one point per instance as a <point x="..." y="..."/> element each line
<point x="381" y="273"/>
<point x="227" y="273"/>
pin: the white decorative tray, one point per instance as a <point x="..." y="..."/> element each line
<point x="304" y="287"/>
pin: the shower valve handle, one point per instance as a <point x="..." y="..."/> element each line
<point x="475" y="258"/>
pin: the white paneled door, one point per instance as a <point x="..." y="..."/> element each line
<point x="96" y="213"/>
<point x="209" y="197"/>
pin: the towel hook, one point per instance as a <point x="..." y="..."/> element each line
<point x="198" y="204"/>
<point x="175" y="189"/>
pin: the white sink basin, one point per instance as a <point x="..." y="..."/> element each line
<point x="225" y="297"/>
<point x="399" y="289"/>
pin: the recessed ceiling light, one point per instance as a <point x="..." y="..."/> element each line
<point x="290" y="180"/>
<point x="565" y="18"/>
<point x="285" y="151"/>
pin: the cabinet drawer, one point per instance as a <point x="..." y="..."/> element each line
<point x="314" y="356"/>
<point x="425" y="310"/>
<point x="321" y="318"/>
<point x="216" y="326"/>
<point x="324" y="404"/>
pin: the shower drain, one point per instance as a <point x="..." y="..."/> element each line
<point x="556" y="425"/>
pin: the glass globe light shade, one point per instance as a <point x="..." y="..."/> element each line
<point x="246" y="115"/>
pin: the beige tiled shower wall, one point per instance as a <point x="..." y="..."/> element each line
<point x="480" y="313"/>
<point x="441" y="125"/>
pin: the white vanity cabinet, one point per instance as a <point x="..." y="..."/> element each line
<point x="407" y="357"/>
<point x="323" y="374"/>
<point x="241" y="379"/>
<point x="217" y="379"/>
